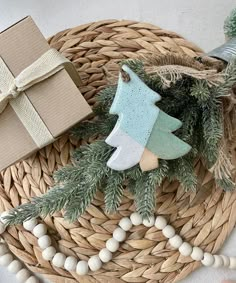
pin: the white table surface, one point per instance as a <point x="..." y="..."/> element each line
<point x="199" y="21"/>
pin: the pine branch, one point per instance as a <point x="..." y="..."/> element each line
<point x="230" y="24"/>
<point x="212" y="129"/>
<point x="226" y="184"/>
<point x="189" y="100"/>
<point x="54" y="200"/>
<point x="182" y="169"/>
<point x="145" y="196"/>
<point x="230" y="78"/>
<point x="114" y="191"/>
<point x="145" y="189"/>
<point x="200" y="91"/>
<point x="66" y="174"/>
<point x="94" y="128"/>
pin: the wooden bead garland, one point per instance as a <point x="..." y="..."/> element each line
<point x="70" y="263"/>
<point x="14" y="265"/>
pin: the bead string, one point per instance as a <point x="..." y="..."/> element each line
<point x="23" y="275"/>
<point x="82" y="267"/>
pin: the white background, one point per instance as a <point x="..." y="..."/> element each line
<point x="200" y="21"/>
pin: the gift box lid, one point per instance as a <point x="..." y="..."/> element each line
<point x="57" y="99"/>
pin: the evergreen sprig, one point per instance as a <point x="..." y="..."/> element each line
<point x="230" y="24"/>
<point x="192" y="101"/>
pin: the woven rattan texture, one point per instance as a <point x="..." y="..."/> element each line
<point x="204" y="218"/>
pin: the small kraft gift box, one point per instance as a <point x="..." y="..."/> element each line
<point x="39" y="95"/>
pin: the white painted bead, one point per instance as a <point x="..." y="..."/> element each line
<point x="94" y="263"/>
<point x="59" y="260"/>
<point x="32" y="279"/>
<point x="105" y="255"/>
<point x="2" y="228"/>
<point x="3" y="249"/>
<point x="14" y="266"/>
<point x="22" y="275"/>
<point x="136" y="218"/>
<point x="168" y="231"/>
<point x="149" y="222"/>
<point x="185" y="249"/>
<point x="125" y="223"/>
<point x="3" y="214"/>
<point x="44" y="242"/>
<point x="70" y="263"/>
<point x="82" y="267"/>
<point x="112" y="245"/>
<point x="208" y="259"/>
<point x="218" y="261"/>
<point x="232" y="261"/>
<point x="40" y="230"/>
<point x="160" y="222"/>
<point x="119" y="234"/>
<point x="176" y="241"/>
<point x="226" y="260"/>
<point x="30" y="224"/>
<point x="6" y="259"/>
<point x="49" y="253"/>
<point x="197" y="254"/>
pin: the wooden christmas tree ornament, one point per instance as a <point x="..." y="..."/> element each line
<point x="143" y="133"/>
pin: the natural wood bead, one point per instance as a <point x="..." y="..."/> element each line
<point x="125" y="223"/>
<point x="112" y="245"/>
<point x="70" y="263"/>
<point x="32" y="279"/>
<point x="59" y="260"/>
<point x="40" y="230"/>
<point x="136" y="218"/>
<point x="6" y="259"/>
<point x="232" y="264"/>
<point x="149" y="222"/>
<point x="22" y="275"/>
<point x="49" y="253"/>
<point x="44" y="242"/>
<point x="30" y="224"/>
<point x="105" y="255"/>
<point x="2" y="228"/>
<point x="3" y="249"/>
<point x="14" y="266"/>
<point x="168" y="231"/>
<point x="176" y="241"/>
<point x="185" y="249"/>
<point x="218" y="261"/>
<point x="208" y="259"/>
<point x="82" y="267"/>
<point x="94" y="263"/>
<point x="226" y="260"/>
<point x="160" y="222"/>
<point x="119" y="234"/>
<point x="197" y="254"/>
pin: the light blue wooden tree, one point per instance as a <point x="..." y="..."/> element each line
<point x="143" y="133"/>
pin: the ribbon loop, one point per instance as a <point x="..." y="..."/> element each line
<point x="47" y="65"/>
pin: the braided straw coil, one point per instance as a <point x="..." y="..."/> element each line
<point x="204" y="218"/>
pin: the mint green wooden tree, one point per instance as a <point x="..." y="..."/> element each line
<point x="143" y="133"/>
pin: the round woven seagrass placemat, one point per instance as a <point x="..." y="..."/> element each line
<point x="204" y="218"/>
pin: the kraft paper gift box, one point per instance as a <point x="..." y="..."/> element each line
<point x="56" y="100"/>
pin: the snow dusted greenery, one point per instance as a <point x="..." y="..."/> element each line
<point x="193" y="101"/>
<point x="230" y="25"/>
